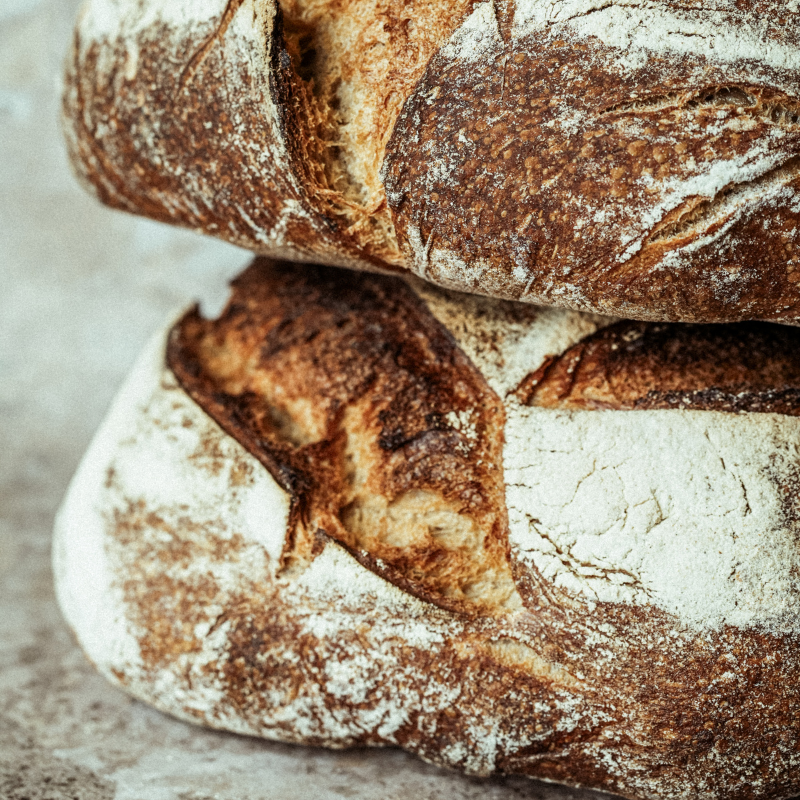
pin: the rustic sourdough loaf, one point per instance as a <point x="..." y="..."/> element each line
<point x="636" y="159"/>
<point x="354" y="510"/>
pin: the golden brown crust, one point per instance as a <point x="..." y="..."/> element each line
<point x="363" y="407"/>
<point x="357" y="61"/>
<point x="637" y="365"/>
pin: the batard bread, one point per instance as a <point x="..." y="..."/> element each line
<point x="354" y="510"/>
<point x="636" y="159"/>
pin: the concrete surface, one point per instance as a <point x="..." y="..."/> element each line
<point x="81" y="288"/>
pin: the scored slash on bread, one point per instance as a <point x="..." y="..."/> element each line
<point x="354" y="510"/>
<point x="636" y="159"/>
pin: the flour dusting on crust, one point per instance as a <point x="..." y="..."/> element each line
<point x="638" y="30"/>
<point x="151" y="449"/>
<point x="598" y="156"/>
<point x="683" y="510"/>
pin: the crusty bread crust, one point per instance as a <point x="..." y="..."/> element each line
<point x="360" y="426"/>
<point x="594" y="157"/>
<point x="745" y="367"/>
<point x="192" y="114"/>
<point x="639" y="160"/>
<point x="421" y="583"/>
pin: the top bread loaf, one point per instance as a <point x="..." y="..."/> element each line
<point x="640" y="159"/>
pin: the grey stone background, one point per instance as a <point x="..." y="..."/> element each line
<point x="81" y="289"/>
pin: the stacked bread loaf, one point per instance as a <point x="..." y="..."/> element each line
<point x="518" y="537"/>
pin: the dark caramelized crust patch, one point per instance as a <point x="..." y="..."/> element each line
<point x="363" y="407"/>
<point x="635" y="365"/>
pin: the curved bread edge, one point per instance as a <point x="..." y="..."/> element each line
<point x="324" y="651"/>
<point x="446" y="158"/>
<point x="166" y="558"/>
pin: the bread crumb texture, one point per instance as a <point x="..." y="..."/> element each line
<point x="364" y="538"/>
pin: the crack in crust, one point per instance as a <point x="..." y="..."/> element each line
<point x="782" y="111"/>
<point x="188" y="72"/>
<point x="202" y="125"/>
<point x="701" y="216"/>
<point x="356" y="63"/>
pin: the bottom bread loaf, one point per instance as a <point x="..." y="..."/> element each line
<point x="359" y="511"/>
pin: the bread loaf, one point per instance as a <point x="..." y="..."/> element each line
<point x="635" y="159"/>
<point x="354" y="510"/>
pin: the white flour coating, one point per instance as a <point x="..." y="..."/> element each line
<point x="101" y="19"/>
<point x="478" y="33"/>
<point x="683" y="510"/>
<point x="636" y="30"/>
<point x="161" y="463"/>
<point x="505" y="342"/>
<point x="336" y="580"/>
<point x="717" y="176"/>
<point x="152" y="448"/>
<point x="738" y="203"/>
<point x="675" y="510"/>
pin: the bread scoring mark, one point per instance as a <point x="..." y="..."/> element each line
<point x="356" y="63"/>
<point x="643" y="389"/>
<point x="717" y="96"/>
<point x="745" y="367"/>
<point x="397" y="455"/>
<point x="774" y="107"/>
<point x="699" y="217"/>
<point x="215" y="143"/>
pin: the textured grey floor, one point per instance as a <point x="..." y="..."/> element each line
<point x="81" y="288"/>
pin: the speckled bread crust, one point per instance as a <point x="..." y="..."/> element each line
<point x="635" y="159"/>
<point x="358" y="511"/>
